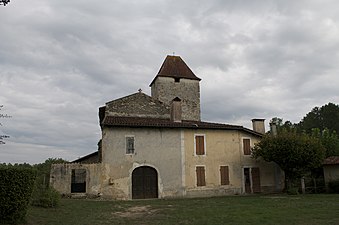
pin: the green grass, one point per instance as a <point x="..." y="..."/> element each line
<point x="275" y="209"/>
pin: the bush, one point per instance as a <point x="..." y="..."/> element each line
<point x="293" y="191"/>
<point x="16" y="187"/>
<point x="333" y="186"/>
<point x="45" y="197"/>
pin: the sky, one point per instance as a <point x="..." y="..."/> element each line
<point x="61" y="60"/>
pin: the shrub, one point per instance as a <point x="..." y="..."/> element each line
<point x="293" y="191"/>
<point x="45" y="197"/>
<point x="333" y="186"/>
<point x="16" y="187"/>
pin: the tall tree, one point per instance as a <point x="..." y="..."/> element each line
<point x="326" y="116"/>
<point x="329" y="140"/>
<point x="282" y="126"/>
<point x="296" y="154"/>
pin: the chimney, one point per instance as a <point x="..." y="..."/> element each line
<point x="259" y="125"/>
<point x="176" y="110"/>
<point x="273" y="128"/>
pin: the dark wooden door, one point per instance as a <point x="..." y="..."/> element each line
<point x="247" y="180"/>
<point x="255" y="173"/>
<point x="144" y="183"/>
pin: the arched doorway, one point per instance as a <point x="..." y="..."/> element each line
<point x="144" y="183"/>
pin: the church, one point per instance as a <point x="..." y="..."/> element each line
<point x="157" y="147"/>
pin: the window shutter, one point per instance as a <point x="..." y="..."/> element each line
<point x="224" y="175"/>
<point x="200" y="170"/>
<point x="247" y="146"/>
<point x="200" y="145"/>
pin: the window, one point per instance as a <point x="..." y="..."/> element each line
<point x="224" y="175"/>
<point x="200" y="170"/>
<point x="246" y="143"/>
<point x="129" y="145"/>
<point x="200" y="145"/>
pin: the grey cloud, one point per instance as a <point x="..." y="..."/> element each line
<point x="61" y="60"/>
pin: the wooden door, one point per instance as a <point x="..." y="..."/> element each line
<point x="144" y="183"/>
<point x="255" y="173"/>
<point x="247" y="180"/>
<point x="252" y="180"/>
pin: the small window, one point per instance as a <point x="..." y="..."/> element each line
<point x="200" y="145"/>
<point x="129" y="145"/>
<point x="247" y="146"/>
<point x="224" y="175"/>
<point x="176" y="79"/>
<point x="200" y="170"/>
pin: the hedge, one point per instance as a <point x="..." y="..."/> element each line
<point x="16" y="186"/>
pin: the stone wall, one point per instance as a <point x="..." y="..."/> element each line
<point x="158" y="148"/>
<point x="138" y="105"/>
<point x="166" y="89"/>
<point x="61" y="177"/>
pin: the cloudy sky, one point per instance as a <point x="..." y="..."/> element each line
<point x="61" y="60"/>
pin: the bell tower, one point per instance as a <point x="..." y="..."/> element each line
<point x="175" y="80"/>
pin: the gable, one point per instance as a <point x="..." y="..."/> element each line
<point x="137" y="105"/>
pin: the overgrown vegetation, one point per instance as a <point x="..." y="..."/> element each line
<point x="257" y="209"/>
<point x="43" y="194"/>
<point x="333" y="186"/>
<point x="322" y="122"/>
<point x="16" y="186"/>
<point x="22" y="184"/>
<point x="295" y="154"/>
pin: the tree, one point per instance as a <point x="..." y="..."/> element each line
<point x="44" y="195"/>
<point x="324" y="117"/>
<point x="296" y="154"/>
<point x="329" y="140"/>
<point x="44" y="170"/>
<point x="282" y="126"/>
<point x="2" y="137"/>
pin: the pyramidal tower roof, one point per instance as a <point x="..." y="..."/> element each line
<point x="175" y="67"/>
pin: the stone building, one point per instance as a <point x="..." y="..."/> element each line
<point x="157" y="147"/>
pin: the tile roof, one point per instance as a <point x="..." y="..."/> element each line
<point x="332" y="160"/>
<point x="174" y="66"/>
<point x="79" y="160"/>
<point x="167" y="123"/>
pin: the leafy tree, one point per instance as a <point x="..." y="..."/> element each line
<point x="44" y="195"/>
<point x="44" y="170"/>
<point x="329" y="140"/>
<point x="296" y="154"/>
<point x="324" y="117"/>
<point x="282" y="126"/>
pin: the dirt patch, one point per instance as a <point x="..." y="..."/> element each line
<point x="136" y="211"/>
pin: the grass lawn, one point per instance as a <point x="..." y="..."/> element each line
<point x="259" y="209"/>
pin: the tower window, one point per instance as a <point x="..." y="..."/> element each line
<point x="176" y="79"/>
